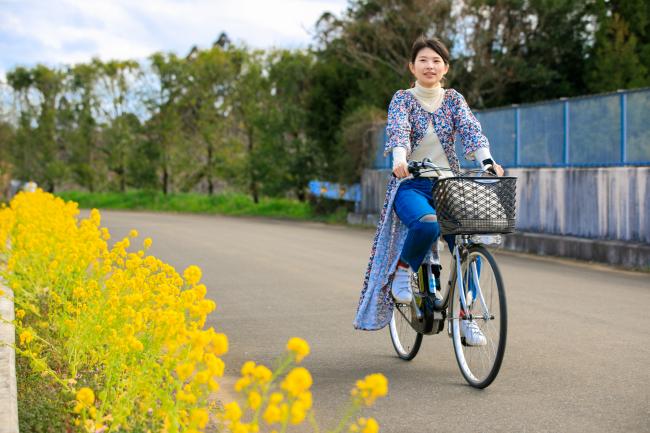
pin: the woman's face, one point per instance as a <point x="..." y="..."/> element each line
<point x="429" y="68"/>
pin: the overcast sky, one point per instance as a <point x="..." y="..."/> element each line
<point x="70" y="31"/>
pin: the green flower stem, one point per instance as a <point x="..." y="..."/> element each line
<point x="312" y="421"/>
<point x="351" y="411"/>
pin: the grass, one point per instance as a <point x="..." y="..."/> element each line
<point x="42" y="408"/>
<point x="223" y="204"/>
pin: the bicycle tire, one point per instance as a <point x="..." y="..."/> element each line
<point x="478" y="364"/>
<point x="406" y="340"/>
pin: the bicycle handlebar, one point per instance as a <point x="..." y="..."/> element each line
<point x="416" y="167"/>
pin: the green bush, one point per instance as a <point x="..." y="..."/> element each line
<point x="224" y="204"/>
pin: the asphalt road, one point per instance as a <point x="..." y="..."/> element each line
<point x="578" y="353"/>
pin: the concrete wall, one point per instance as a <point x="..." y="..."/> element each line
<point x="8" y="391"/>
<point x="597" y="203"/>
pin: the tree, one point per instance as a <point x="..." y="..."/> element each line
<point x="249" y="102"/>
<point x="38" y="152"/>
<point x="86" y="166"/>
<point x="521" y="51"/>
<point x="376" y="35"/>
<point x="115" y="84"/>
<point x="287" y="155"/>
<point x="334" y="91"/>
<point x="164" y="126"/>
<point x="212" y="73"/>
<point x="7" y="136"/>
<point x="621" y="53"/>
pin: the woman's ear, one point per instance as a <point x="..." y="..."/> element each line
<point x="412" y="68"/>
<point x="444" y="74"/>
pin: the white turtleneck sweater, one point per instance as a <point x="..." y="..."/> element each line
<point x="430" y="147"/>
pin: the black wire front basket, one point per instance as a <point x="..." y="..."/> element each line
<point x="475" y="205"/>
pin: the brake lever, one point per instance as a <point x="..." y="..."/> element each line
<point x="414" y="168"/>
<point x="490" y="170"/>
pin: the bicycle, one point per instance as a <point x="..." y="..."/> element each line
<point x="477" y="210"/>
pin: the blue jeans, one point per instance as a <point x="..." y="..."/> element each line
<point x="413" y="201"/>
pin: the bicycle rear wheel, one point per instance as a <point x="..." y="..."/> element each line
<point x="485" y="300"/>
<point x="406" y="340"/>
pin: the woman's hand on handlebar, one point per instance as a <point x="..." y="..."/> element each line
<point x="401" y="170"/>
<point x="488" y="165"/>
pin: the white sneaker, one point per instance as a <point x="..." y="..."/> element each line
<point x="401" y="286"/>
<point x="472" y="333"/>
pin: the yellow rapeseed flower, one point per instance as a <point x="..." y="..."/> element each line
<point x="232" y="411"/>
<point x="147" y="243"/>
<point x="25" y="337"/>
<point x="213" y="385"/>
<point x="192" y="275"/>
<point x="298" y="412"/>
<point x="215" y="364"/>
<point x="297" y="381"/>
<point x="86" y="397"/>
<point x="372" y="386"/>
<point x="368" y="425"/>
<point x="272" y="414"/>
<point x="242" y="383"/>
<point x="133" y="233"/>
<point x="219" y="343"/>
<point x="305" y="399"/>
<point x="202" y="377"/>
<point x="248" y="368"/>
<point x="240" y="427"/>
<point x="186" y="395"/>
<point x="299" y="347"/>
<point x="20" y="313"/>
<point x="184" y="371"/>
<point x="254" y="399"/>
<point x="262" y="374"/>
<point x="276" y="398"/>
<point x="199" y="417"/>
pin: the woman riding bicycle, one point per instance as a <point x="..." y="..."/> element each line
<point x="422" y="123"/>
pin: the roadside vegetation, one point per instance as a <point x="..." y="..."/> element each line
<point x="112" y="339"/>
<point x="235" y="204"/>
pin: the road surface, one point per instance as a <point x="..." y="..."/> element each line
<point x="578" y="352"/>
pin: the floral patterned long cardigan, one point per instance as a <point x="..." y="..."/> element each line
<point x="407" y="124"/>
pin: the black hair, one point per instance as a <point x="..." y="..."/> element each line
<point x="433" y="43"/>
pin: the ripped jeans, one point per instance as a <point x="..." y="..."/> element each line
<point x="414" y="206"/>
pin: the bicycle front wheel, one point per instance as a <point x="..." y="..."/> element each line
<point x="479" y="318"/>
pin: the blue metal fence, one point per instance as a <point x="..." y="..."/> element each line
<point x="598" y="130"/>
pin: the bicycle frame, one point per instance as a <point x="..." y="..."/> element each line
<point x="433" y="309"/>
